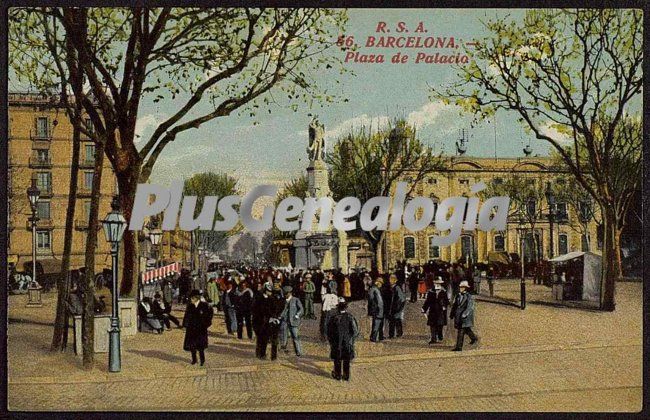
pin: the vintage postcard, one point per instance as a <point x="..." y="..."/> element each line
<point x="324" y="209"/>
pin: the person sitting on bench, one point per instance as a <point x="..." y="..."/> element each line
<point x="147" y="316"/>
<point x="162" y="310"/>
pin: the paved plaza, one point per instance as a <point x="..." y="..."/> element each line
<point x="543" y="358"/>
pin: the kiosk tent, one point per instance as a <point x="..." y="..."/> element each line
<point x="582" y="275"/>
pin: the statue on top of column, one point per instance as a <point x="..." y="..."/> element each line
<point x="316" y="149"/>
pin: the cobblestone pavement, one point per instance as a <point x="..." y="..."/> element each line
<point x="543" y="358"/>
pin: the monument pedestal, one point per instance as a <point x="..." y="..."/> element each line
<point x="324" y="249"/>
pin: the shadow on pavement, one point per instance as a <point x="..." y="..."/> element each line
<point x="28" y="321"/>
<point x="303" y="365"/>
<point x="157" y="354"/>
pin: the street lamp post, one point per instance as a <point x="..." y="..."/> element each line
<point x="550" y="200"/>
<point x="34" y="289"/>
<point x="114" y="226"/>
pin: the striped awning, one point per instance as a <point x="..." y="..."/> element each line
<point x="160" y="273"/>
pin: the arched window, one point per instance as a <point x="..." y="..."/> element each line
<point x="434" y="250"/>
<point x="436" y="203"/>
<point x="409" y="247"/>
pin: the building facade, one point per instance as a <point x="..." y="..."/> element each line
<point x="570" y="233"/>
<point x="40" y="147"/>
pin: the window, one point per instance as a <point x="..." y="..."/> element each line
<point x="88" y="180"/>
<point x="90" y="154"/>
<point x="87" y="210"/>
<point x="43" y="210"/>
<point x="434" y="250"/>
<point x="463" y="181"/>
<point x="584" y="211"/>
<point x="584" y="239"/>
<point x="531" y="207"/>
<point x="42" y="128"/>
<point x="498" y="181"/>
<point x="409" y="247"/>
<point x="43" y="240"/>
<point x="89" y="125"/>
<point x="561" y="211"/>
<point x="436" y="204"/>
<point x="43" y="155"/>
<point x="44" y="181"/>
<point x="432" y="181"/>
<point x="563" y="245"/>
<point x="499" y="243"/>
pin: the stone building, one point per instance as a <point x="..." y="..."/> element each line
<point x="40" y="146"/>
<point x="569" y="234"/>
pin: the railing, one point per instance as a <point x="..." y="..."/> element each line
<point x="40" y="162"/>
<point x="41" y="223"/>
<point x="87" y="163"/>
<point x="40" y="136"/>
<point x="45" y="190"/>
<point x="81" y="224"/>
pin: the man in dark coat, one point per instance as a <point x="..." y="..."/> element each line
<point x="277" y="304"/>
<point x="243" y="305"/>
<point x="396" y="309"/>
<point x="436" y="305"/>
<point x="261" y="311"/>
<point x="462" y="312"/>
<point x="376" y="311"/>
<point x="184" y="282"/>
<point x="414" y="280"/>
<point x="197" y="320"/>
<point x="342" y="330"/>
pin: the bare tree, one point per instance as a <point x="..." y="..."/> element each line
<point x="574" y="78"/>
<point x="366" y="164"/>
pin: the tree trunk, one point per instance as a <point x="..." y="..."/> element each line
<point x="127" y="182"/>
<point x="59" y="339"/>
<point x="88" y="303"/>
<point x="60" y="335"/>
<point x="374" y="242"/>
<point x="611" y="269"/>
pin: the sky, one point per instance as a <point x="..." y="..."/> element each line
<point x="273" y="151"/>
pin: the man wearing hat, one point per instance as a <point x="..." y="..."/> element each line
<point x="309" y="289"/>
<point x="376" y="310"/>
<point x="396" y="308"/>
<point x="462" y="311"/>
<point x="291" y="316"/>
<point x="261" y="312"/>
<point x="436" y="305"/>
<point x="342" y="330"/>
<point x="228" y="302"/>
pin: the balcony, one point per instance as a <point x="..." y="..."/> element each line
<point x="83" y="191"/>
<point x="40" y="224"/>
<point x="40" y="162"/>
<point x="81" y="224"/>
<point x="39" y="135"/>
<point x="87" y="163"/>
<point x="46" y="190"/>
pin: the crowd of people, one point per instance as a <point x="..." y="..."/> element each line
<point x="270" y="304"/>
